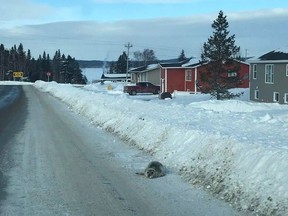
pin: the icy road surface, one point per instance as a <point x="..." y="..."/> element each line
<point x="54" y="163"/>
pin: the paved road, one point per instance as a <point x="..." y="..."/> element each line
<point x="11" y="101"/>
<point x="54" y="163"/>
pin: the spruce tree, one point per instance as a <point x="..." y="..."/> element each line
<point x="121" y="64"/>
<point x="56" y="64"/>
<point x="182" y="56"/>
<point x="220" y="53"/>
<point x="2" y="62"/>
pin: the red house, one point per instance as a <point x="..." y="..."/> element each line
<point x="177" y="77"/>
<point x="187" y="76"/>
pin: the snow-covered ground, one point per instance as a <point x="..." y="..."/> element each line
<point x="235" y="149"/>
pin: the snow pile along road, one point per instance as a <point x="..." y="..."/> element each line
<point x="235" y="149"/>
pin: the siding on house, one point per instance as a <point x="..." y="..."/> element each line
<point x="149" y="73"/>
<point x="176" y="79"/>
<point x="154" y="76"/>
<point x="270" y="92"/>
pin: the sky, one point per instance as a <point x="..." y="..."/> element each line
<point x="235" y="149"/>
<point x="99" y="29"/>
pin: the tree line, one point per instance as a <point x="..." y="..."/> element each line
<point x="61" y="68"/>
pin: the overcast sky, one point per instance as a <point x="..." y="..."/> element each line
<point x="99" y="29"/>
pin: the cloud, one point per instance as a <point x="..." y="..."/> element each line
<point x="258" y="14"/>
<point x="22" y="9"/>
<point x="256" y="34"/>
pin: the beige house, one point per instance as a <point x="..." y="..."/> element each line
<point x="147" y="73"/>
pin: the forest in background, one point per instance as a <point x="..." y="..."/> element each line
<point x="61" y="68"/>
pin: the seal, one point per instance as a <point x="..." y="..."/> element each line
<point x="154" y="169"/>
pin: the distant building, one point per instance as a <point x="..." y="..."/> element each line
<point x="116" y="77"/>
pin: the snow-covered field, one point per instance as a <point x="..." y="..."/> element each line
<point x="235" y="149"/>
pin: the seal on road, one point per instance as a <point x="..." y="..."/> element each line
<point x="154" y="169"/>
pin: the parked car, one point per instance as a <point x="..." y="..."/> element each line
<point x="142" y="87"/>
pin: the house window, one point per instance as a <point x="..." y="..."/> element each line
<point x="256" y="94"/>
<point x="232" y="74"/>
<point x="188" y="75"/>
<point x="269" y="73"/>
<point x="254" y="71"/>
<point x="275" y="96"/>
<point x="286" y="98"/>
<point x="286" y="69"/>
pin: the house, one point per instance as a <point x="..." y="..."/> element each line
<point x="178" y="77"/>
<point x="181" y="76"/>
<point x="147" y="73"/>
<point x="269" y="77"/>
<point x="187" y="76"/>
<point x="200" y="69"/>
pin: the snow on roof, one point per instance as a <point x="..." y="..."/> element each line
<point x="122" y="75"/>
<point x="283" y="49"/>
<point x="152" y="66"/>
<point x="192" y="62"/>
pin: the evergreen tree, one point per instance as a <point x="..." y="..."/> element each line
<point x="182" y="56"/>
<point x="220" y="51"/>
<point x="33" y="75"/>
<point x="56" y="66"/>
<point x="2" y="62"/>
<point x="21" y="63"/>
<point x="74" y="72"/>
<point x="63" y="70"/>
<point x="13" y="59"/>
<point x="121" y="64"/>
<point x="28" y="64"/>
<point x="45" y="66"/>
<point x="36" y="69"/>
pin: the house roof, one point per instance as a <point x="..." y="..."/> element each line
<point x="193" y="62"/>
<point x="143" y="68"/>
<point x="175" y="64"/>
<point x="274" y="55"/>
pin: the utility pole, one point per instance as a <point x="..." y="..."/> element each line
<point x="128" y="46"/>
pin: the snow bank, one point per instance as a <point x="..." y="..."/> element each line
<point x="235" y="149"/>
